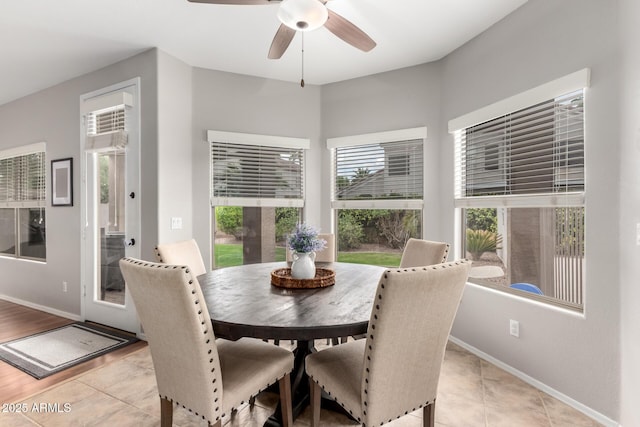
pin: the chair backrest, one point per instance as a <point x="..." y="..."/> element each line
<point x="328" y="254"/>
<point x="185" y="252"/>
<point x="410" y="323"/>
<point x="178" y="328"/>
<point x="418" y="253"/>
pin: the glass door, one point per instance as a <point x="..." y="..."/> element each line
<point x="111" y="206"/>
<point x="111" y="223"/>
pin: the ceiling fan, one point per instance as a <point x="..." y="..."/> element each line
<point x="305" y="15"/>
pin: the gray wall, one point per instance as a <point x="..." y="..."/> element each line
<point x="174" y="166"/>
<point x="577" y="355"/>
<point x="53" y="116"/>
<point x="629" y="212"/>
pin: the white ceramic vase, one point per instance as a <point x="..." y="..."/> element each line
<point x="303" y="266"/>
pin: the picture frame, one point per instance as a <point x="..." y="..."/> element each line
<point x="62" y="182"/>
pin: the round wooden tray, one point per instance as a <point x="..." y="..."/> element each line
<point x="281" y="277"/>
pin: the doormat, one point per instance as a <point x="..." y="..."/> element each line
<point x="46" y="353"/>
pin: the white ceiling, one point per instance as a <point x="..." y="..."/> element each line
<point x="45" y="42"/>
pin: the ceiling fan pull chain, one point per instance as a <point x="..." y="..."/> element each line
<point x="302" y="60"/>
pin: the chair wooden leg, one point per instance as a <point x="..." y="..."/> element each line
<point x="285" y="401"/>
<point x="316" y="396"/>
<point x="429" y="415"/>
<point x="166" y="412"/>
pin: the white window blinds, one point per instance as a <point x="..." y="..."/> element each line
<point x="366" y="173"/>
<point x="532" y="153"/>
<point x="23" y="177"/>
<point x="106" y="118"/>
<point x="253" y="170"/>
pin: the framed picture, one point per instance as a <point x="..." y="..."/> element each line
<point x="62" y="182"/>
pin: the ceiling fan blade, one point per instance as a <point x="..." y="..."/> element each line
<point x="281" y="41"/>
<point x="235" y="2"/>
<point x="348" y="32"/>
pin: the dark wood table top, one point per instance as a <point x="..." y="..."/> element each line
<point x="243" y="303"/>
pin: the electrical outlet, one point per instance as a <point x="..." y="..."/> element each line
<point x="64" y="286"/>
<point x="638" y="233"/>
<point x="176" y="223"/>
<point x="514" y="328"/>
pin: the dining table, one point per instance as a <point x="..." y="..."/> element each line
<point x="243" y="302"/>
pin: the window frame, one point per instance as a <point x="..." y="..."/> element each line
<point x="570" y="198"/>
<point x="24" y="199"/>
<point x="402" y="136"/>
<point x="261" y="145"/>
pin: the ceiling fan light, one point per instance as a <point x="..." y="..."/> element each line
<point x="303" y="15"/>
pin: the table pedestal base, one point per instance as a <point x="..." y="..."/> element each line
<point x="300" y="393"/>
<point x="299" y="384"/>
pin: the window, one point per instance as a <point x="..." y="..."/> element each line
<point x="109" y="116"/>
<point x="520" y="190"/>
<point x="22" y="202"/>
<point x="257" y="195"/>
<point x="377" y="194"/>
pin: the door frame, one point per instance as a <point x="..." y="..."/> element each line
<point x="114" y="315"/>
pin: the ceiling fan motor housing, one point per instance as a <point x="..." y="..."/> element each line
<point x="303" y="15"/>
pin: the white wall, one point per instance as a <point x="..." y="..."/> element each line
<point x="630" y="212"/>
<point x="53" y="116"/>
<point x="577" y="355"/>
<point x="237" y="103"/>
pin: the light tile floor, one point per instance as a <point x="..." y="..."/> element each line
<point x="471" y="393"/>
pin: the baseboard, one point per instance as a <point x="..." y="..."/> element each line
<point x="597" y="416"/>
<point x="42" y="308"/>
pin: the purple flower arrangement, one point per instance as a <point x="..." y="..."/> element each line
<point x="305" y="239"/>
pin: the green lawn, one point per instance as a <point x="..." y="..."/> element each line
<point x="228" y="255"/>
<point x="383" y="259"/>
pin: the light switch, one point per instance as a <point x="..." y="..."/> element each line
<point x="176" y="223"/>
<point x="638" y="234"/>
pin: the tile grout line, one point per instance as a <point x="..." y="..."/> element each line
<point x="484" y="400"/>
<point x="546" y="410"/>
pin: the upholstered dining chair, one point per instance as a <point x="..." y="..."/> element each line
<point x="395" y="370"/>
<point x="208" y="377"/>
<point x="185" y="252"/>
<point x="328" y="254"/>
<point x="418" y="252"/>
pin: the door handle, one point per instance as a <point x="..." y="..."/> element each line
<point x="130" y="242"/>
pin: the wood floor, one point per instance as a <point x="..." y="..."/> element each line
<point x="17" y="321"/>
